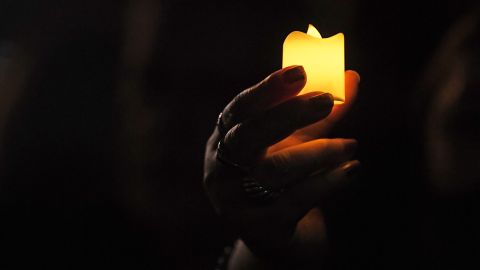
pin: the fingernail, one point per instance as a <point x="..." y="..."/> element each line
<point x="351" y="168"/>
<point x="294" y="74"/>
<point x="338" y="99"/>
<point x="357" y="76"/>
<point x="345" y="173"/>
<point x="324" y="100"/>
<point x="350" y="147"/>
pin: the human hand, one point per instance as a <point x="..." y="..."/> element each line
<point x="270" y="136"/>
<point x="322" y="128"/>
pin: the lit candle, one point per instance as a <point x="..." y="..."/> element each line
<point x="322" y="58"/>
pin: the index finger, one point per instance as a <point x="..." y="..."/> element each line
<point x="275" y="89"/>
<point x="320" y="129"/>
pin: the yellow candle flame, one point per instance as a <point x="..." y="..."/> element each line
<point x="312" y="31"/>
<point x="322" y="58"/>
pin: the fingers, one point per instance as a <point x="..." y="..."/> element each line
<point x="285" y="167"/>
<point x="352" y="79"/>
<point x="305" y="195"/>
<point x="250" y="139"/>
<point x="275" y="89"/>
<point x="321" y="129"/>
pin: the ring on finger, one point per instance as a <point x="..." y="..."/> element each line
<point x="258" y="192"/>
<point x="222" y="157"/>
<point x="251" y="186"/>
<point x="222" y="129"/>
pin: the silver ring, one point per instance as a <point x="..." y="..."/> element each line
<point x="222" y="129"/>
<point x="258" y="192"/>
<point x="225" y="161"/>
<point x="252" y="188"/>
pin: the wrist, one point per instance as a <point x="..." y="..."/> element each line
<point x="243" y="258"/>
<point x="306" y="247"/>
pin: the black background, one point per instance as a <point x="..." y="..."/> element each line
<point x="86" y="182"/>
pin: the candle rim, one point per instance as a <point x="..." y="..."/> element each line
<point x="301" y="34"/>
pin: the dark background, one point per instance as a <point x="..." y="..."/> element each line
<point x="103" y="139"/>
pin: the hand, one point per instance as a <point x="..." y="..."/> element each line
<point x="271" y="133"/>
<point x="321" y="128"/>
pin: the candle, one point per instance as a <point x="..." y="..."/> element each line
<point x="322" y="58"/>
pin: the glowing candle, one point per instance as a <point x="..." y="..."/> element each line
<point x="322" y="58"/>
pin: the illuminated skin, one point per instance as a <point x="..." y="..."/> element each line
<point x="280" y="135"/>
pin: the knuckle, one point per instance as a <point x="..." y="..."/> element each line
<point x="281" y="161"/>
<point x="233" y="136"/>
<point x="238" y="107"/>
<point x="301" y="112"/>
<point x="237" y="102"/>
<point x="212" y="141"/>
<point x="241" y="138"/>
<point x="329" y="147"/>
